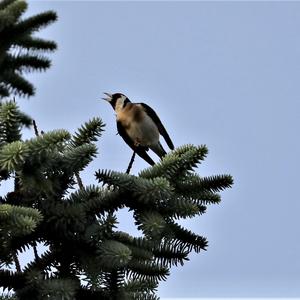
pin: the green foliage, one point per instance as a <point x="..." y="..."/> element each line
<point x="177" y="163"/>
<point x="114" y="254"/>
<point x="58" y="289"/>
<point x="13" y="155"/>
<point x="75" y="159"/>
<point x="10" y="279"/>
<point x="10" y="123"/>
<point x="89" y="132"/>
<point x="48" y="141"/>
<point x="7" y="297"/>
<point x="80" y="228"/>
<point x="15" y="222"/>
<point x="20" y="51"/>
<point x="18" y="220"/>
<point x="151" y="223"/>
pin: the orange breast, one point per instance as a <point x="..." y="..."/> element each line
<point x="131" y="113"/>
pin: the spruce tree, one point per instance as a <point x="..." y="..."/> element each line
<point x="87" y="257"/>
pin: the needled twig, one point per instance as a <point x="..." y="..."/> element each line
<point x="33" y="244"/>
<point x="79" y="181"/>
<point x="16" y="261"/>
<point x="130" y="163"/>
<point x="36" y="131"/>
<point x="36" y="256"/>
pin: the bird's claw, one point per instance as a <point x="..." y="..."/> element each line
<point x="137" y="143"/>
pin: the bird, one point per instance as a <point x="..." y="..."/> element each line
<point x="139" y="126"/>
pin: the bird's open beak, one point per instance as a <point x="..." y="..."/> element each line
<point x="108" y="98"/>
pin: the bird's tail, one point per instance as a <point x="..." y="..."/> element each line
<point x="158" y="149"/>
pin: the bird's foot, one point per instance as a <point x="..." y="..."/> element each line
<point x="137" y="142"/>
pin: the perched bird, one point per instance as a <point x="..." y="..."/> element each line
<point x="139" y="126"/>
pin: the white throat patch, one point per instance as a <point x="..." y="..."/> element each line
<point x="120" y="103"/>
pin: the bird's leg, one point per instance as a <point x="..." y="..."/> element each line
<point x="130" y="163"/>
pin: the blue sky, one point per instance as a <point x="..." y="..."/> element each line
<point x="224" y="74"/>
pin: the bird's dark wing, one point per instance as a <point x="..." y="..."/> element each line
<point x="152" y="114"/>
<point x="140" y="150"/>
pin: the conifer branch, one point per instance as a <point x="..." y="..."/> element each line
<point x="16" y="261"/>
<point x="11" y="280"/>
<point x="36" y="255"/>
<point x="17" y="32"/>
<point x="34" y="245"/>
<point x="36" y="131"/>
<point x="79" y="181"/>
<point x="114" y="254"/>
<point x="88" y="132"/>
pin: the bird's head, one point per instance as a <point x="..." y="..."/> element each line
<point x="117" y="100"/>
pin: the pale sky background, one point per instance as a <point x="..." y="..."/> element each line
<point x="224" y="74"/>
